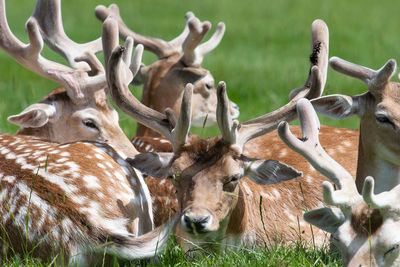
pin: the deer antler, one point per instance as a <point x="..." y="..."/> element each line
<point x="48" y="16"/>
<point x="119" y="76"/>
<point x="188" y="41"/>
<point x="76" y="81"/>
<point x="238" y="135"/>
<point x="193" y="53"/>
<point x="310" y="148"/>
<point x="374" y="79"/>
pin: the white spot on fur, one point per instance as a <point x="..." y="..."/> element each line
<point x="276" y="193"/>
<point x="91" y="181"/>
<point x="283" y="152"/>
<point x="163" y="181"/>
<point x="100" y="165"/>
<point x="65" y="154"/>
<point x="9" y="179"/>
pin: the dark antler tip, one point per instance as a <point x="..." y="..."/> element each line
<point x="315" y="53"/>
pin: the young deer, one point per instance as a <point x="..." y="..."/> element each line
<point x="179" y="62"/>
<point x="378" y="110"/>
<point x="216" y="204"/>
<point x="80" y="110"/>
<point x="363" y="227"/>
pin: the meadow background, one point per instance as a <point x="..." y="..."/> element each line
<point x="263" y="55"/>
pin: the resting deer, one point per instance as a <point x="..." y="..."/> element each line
<point x="216" y="204"/>
<point x="267" y="146"/>
<point x="78" y="111"/>
<point x="179" y="62"/>
<point x="71" y="200"/>
<point x="379" y="143"/>
<point x="363" y="227"/>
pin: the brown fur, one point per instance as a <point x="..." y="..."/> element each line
<point x="65" y="205"/>
<point x="287" y="200"/>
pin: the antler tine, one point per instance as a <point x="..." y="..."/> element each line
<point x="318" y="57"/>
<point x="268" y="122"/>
<point x="119" y="76"/>
<point x="313" y="88"/>
<point x="47" y="13"/>
<point x="384" y="200"/>
<point x="373" y="79"/>
<point x="227" y="127"/>
<point x="157" y="46"/>
<point x="181" y="130"/>
<point x="191" y="51"/>
<point x="310" y="148"/>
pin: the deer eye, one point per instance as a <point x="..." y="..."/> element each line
<point x="383" y="119"/>
<point x="209" y="86"/>
<point x="90" y="124"/>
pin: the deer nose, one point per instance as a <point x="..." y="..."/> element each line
<point x="196" y="224"/>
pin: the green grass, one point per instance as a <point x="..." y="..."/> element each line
<point x="263" y="56"/>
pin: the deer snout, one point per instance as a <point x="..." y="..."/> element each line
<point x="196" y="223"/>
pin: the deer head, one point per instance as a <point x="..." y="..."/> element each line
<point x="79" y="111"/>
<point x="378" y="110"/>
<point x="363" y="227"/>
<point x="179" y="62"/>
<point x="206" y="172"/>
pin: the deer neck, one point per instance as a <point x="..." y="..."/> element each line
<point x="376" y="159"/>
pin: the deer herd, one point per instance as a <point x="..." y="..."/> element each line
<point x="73" y="186"/>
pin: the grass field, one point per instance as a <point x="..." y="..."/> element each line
<point x="263" y="56"/>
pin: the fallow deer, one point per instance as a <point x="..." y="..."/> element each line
<point x="69" y="200"/>
<point x="268" y="146"/>
<point x="73" y="201"/>
<point x="79" y="111"/>
<point x="179" y="62"/>
<point x="363" y="227"/>
<point x="378" y="110"/>
<point x="215" y="204"/>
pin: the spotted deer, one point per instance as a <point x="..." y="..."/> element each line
<point x="179" y="62"/>
<point x="268" y="146"/>
<point x="363" y="226"/>
<point x="75" y="200"/>
<point x="379" y="142"/>
<point x="78" y="111"/>
<point x="216" y="202"/>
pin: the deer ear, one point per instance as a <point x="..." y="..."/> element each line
<point x="338" y="106"/>
<point x="327" y="219"/>
<point x="34" y="116"/>
<point x="153" y="164"/>
<point x="265" y="172"/>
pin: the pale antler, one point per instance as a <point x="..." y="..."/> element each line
<point x="374" y="79"/>
<point x="77" y="82"/>
<point x="384" y="200"/>
<point x="48" y="16"/>
<point x="238" y="135"/>
<point x="119" y="76"/>
<point x="188" y="41"/>
<point x="157" y="46"/>
<point x="193" y="53"/>
<point x="310" y="148"/>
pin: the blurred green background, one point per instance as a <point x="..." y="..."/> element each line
<point x="262" y="57"/>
